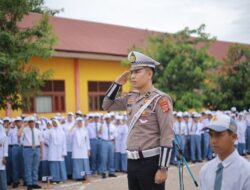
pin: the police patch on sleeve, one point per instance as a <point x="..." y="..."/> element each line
<point x="164" y="103"/>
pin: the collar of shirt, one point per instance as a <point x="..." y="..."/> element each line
<point x="146" y="95"/>
<point x="229" y="160"/>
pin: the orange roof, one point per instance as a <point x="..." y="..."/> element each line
<point x="90" y="37"/>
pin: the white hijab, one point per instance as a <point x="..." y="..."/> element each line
<point x="57" y="133"/>
<point x="80" y="134"/>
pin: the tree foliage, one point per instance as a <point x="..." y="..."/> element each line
<point x="185" y="66"/>
<point x="20" y="80"/>
<point x="233" y="78"/>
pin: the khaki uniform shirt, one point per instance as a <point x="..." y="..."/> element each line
<point x="154" y="127"/>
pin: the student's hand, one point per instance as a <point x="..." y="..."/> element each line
<point x="123" y="78"/>
<point x="4" y="161"/>
<point x="89" y="153"/>
<point x="161" y="176"/>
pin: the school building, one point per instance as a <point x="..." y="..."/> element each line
<point x="86" y="60"/>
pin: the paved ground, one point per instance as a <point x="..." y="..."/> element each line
<point x="120" y="183"/>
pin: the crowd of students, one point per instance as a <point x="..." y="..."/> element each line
<point x="75" y="146"/>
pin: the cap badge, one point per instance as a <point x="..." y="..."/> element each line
<point x="132" y="58"/>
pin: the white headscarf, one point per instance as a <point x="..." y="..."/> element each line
<point x="57" y="133"/>
<point x="80" y="134"/>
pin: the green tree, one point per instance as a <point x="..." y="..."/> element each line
<point x="233" y="78"/>
<point x="20" y="80"/>
<point x="185" y="66"/>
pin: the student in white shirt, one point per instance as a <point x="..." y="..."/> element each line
<point x="32" y="141"/>
<point x="69" y="123"/>
<point x="92" y="126"/>
<point x="3" y="157"/>
<point x="107" y="135"/>
<point x="120" y="144"/>
<point x="80" y="150"/>
<point x="227" y="171"/>
<point x="17" y="152"/>
<point x="44" y="163"/>
<point x="57" y="152"/>
<point x="248" y="132"/>
<point x="241" y="132"/>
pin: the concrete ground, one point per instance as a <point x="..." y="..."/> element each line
<point x="120" y="182"/>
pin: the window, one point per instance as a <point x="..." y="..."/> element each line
<point x="52" y="98"/>
<point x="97" y="91"/>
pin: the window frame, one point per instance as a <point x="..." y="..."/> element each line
<point x="98" y="94"/>
<point x="54" y="95"/>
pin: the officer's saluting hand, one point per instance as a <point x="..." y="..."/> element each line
<point x="150" y="118"/>
<point x="123" y="78"/>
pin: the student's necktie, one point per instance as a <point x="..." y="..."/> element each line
<point x="179" y="128"/>
<point x="187" y="128"/>
<point x="33" y="138"/>
<point x="218" y="177"/>
<point x="108" y="133"/>
<point x="96" y="130"/>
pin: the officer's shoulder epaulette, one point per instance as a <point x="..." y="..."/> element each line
<point x="163" y="94"/>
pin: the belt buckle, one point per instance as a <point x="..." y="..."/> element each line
<point x="135" y="155"/>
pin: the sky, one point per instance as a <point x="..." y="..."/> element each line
<point x="228" y="20"/>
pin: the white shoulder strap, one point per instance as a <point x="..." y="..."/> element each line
<point x="139" y="112"/>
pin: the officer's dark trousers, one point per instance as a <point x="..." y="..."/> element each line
<point x="141" y="174"/>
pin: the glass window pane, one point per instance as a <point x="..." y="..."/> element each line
<point x="58" y="85"/>
<point x="92" y="86"/>
<point x="56" y="104"/>
<point x="96" y="103"/>
<point x="47" y="87"/>
<point x="62" y="104"/>
<point x="90" y="103"/>
<point x="104" y="86"/>
<point x="43" y="104"/>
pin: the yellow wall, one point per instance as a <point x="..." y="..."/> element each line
<point x="89" y="70"/>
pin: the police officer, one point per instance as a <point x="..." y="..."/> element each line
<point x="150" y="118"/>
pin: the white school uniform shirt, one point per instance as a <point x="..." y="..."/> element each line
<point x="196" y="128"/>
<point x="80" y="143"/>
<point x="121" y="138"/>
<point x="66" y="128"/>
<point x="3" y="147"/>
<point x="241" y="130"/>
<point x="112" y="131"/>
<point x="92" y="129"/>
<point x="179" y="128"/>
<point x="57" y="144"/>
<point x="9" y="135"/>
<point x="248" y="120"/>
<point x="187" y="126"/>
<point x="26" y="138"/>
<point x="13" y="136"/>
<point x="236" y="173"/>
